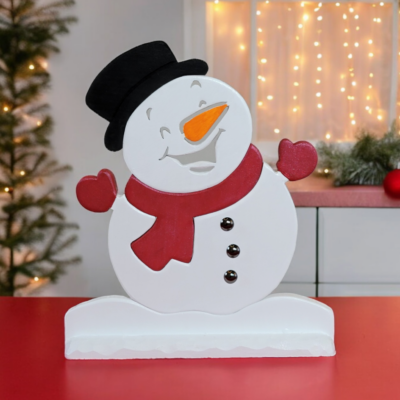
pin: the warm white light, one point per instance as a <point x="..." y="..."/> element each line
<point x="353" y="122"/>
<point x="316" y="43"/>
<point x="300" y="26"/>
<point x="350" y="56"/>
<point x="294" y="109"/>
<point x="319" y="69"/>
<point x="294" y="97"/>
<point x="276" y="130"/>
<point x="371" y="75"/>
<point x="260" y="103"/>
<point x="337" y="4"/>
<point x="22" y="173"/>
<point x="242" y="47"/>
<point x="305" y="17"/>
<point x="381" y="3"/>
<point x="367" y="108"/>
<point x="371" y="54"/>
<point x="351" y="9"/>
<point x="279" y="27"/>
<point x="38" y="123"/>
<point x="297" y="38"/>
<point x="263" y="60"/>
<point x="296" y="56"/>
<point x="357" y="28"/>
<point x="378" y="20"/>
<point x="295" y="67"/>
<point x="354" y="83"/>
<point x="31" y="66"/>
<point x="345" y="44"/>
<point x="370" y="87"/>
<point x="317" y="81"/>
<point x="379" y="117"/>
<point x="326" y="170"/>
<point x="344" y="16"/>
<point x="316" y="9"/>
<point x="5" y="108"/>
<point x="346" y="30"/>
<point x="216" y="1"/>
<point x="370" y="41"/>
<point x="296" y="84"/>
<point x="319" y="4"/>
<point x="328" y="136"/>
<point x="6" y="189"/>
<point x="356" y="17"/>
<point x="258" y="12"/>
<point x="351" y="115"/>
<point x="36" y="279"/>
<point x="302" y="4"/>
<point x="319" y="105"/>
<point x="356" y="44"/>
<point x="319" y="56"/>
<point x="259" y="30"/>
<point x="270" y="97"/>
<point x="319" y="18"/>
<point x="342" y="89"/>
<point x="367" y="97"/>
<point x="318" y="94"/>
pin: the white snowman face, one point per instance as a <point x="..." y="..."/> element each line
<point x="189" y="135"/>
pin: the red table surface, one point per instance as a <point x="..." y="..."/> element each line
<point x="367" y="364"/>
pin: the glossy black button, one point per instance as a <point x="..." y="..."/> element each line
<point x="230" y="276"/>
<point x="233" y="250"/>
<point x="227" y="224"/>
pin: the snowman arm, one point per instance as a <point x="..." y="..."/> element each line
<point x="97" y="193"/>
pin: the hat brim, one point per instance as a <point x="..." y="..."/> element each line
<point x="114" y="136"/>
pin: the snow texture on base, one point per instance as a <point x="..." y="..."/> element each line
<point x="116" y="327"/>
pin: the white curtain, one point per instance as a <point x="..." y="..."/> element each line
<point x="323" y="69"/>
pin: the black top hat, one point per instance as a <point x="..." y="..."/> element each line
<point x="129" y="79"/>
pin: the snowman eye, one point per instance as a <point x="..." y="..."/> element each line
<point x="164" y="128"/>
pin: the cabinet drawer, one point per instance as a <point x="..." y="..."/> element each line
<point x="303" y="265"/>
<point x="359" y="245"/>
<point x="358" y="289"/>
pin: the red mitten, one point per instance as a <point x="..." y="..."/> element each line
<point x="97" y="193"/>
<point x="296" y="160"/>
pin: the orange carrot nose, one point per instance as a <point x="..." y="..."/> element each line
<point x="197" y="127"/>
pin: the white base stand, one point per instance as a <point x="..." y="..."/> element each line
<point x="281" y="325"/>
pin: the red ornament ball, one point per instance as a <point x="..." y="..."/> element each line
<point x="391" y="184"/>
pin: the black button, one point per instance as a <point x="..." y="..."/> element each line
<point x="230" y="276"/>
<point x="233" y="250"/>
<point x="227" y="224"/>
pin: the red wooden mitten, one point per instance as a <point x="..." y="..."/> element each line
<point x="97" y="193"/>
<point x="296" y="160"/>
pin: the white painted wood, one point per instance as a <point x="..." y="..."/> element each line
<point x="278" y="326"/>
<point x="144" y="146"/>
<point x="358" y="289"/>
<point x="265" y="230"/>
<point x="303" y="289"/>
<point x="394" y="72"/>
<point x="359" y="245"/>
<point x="303" y="265"/>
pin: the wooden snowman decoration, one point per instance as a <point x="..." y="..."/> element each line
<point x="204" y="231"/>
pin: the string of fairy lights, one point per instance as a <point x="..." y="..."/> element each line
<point x="41" y="64"/>
<point x="356" y="45"/>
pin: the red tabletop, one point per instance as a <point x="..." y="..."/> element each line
<point x="367" y="364"/>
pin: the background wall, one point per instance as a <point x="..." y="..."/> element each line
<point x="105" y="29"/>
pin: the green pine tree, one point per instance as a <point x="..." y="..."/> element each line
<point x="33" y="231"/>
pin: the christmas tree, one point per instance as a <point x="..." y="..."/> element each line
<point x="33" y="231"/>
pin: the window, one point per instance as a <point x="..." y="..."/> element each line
<point x="308" y="70"/>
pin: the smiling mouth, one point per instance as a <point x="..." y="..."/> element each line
<point x="207" y="154"/>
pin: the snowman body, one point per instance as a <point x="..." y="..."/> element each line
<point x="265" y="228"/>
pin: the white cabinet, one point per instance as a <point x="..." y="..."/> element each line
<point x="303" y="265"/>
<point x="359" y="245"/>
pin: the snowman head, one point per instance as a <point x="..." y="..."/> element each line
<point x="189" y="135"/>
<point x="180" y="131"/>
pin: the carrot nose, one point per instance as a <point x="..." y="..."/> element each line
<point x="197" y="127"/>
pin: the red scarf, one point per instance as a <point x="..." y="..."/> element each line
<point x="172" y="234"/>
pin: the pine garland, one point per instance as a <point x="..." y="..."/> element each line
<point x="33" y="231"/>
<point x="365" y="163"/>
